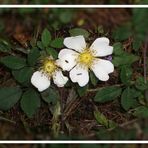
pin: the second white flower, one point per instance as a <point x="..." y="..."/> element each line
<point x="79" y="59"/>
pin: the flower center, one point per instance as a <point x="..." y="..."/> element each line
<point x="86" y="58"/>
<point x="49" y="66"/>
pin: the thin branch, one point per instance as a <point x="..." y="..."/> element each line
<point x="99" y="88"/>
<point x="124" y="124"/>
<point x="8" y="120"/>
<point x="145" y="66"/>
<point x="145" y="59"/>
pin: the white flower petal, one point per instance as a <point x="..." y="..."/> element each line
<point x="102" y="41"/>
<point x="100" y="72"/>
<point x="101" y="47"/>
<point x="106" y="65"/>
<point x="67" y="59"/>
<point x="59" y="79"/>
<point x="77" y="43"/>
<point x="40" y="81"/>
<point x="79" y="75"/>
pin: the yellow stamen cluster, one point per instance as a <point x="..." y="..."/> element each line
<point x="49" y="67"/>
<point x="86" y="58"/>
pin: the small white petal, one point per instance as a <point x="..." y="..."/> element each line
<point x="59" y="79"/>
<point x="40" y="81"/>
<point x="102" y="41"/>
<point x="106" y="65"/>
<point x="100" y="72"/>
<point x="77" y="43"/>
<point x="101" y="47"/>
<point x="67" y="59"/>
<point x="79" y="75"/>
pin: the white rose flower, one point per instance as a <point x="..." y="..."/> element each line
<point x="79" y="59"/>
<point x="41" y="79"/>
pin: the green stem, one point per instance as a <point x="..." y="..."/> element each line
<point x="99" y="88"/>
<point x="55" y="120"/>
<point x="116" y="85"/>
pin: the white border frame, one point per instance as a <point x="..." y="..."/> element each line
<point x="74" y="6"/>
<point x="74" y="141"/>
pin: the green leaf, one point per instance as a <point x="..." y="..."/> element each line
<point x="107" y="94"/>
<point x="13" y="62"/>
<point x="101" y="119"/>
<point x="102" y="134"/>
<point x="141" y="112"/>
<point x="79" y="31"/>
<point x="140" y="84"/>
<point x="118" y="48"/>
<point x="82" y="90"/>
<point x="124" y="59"/>
<point x="9" y="97"/>
<point x="126" y="74"/>
<point x="140" y="23"/>
<point x="100" y="29"/>
<point x="128" y="98"/>
<point x="40" y="45"/>
<point x="33" y="55"/>
<point x="93" y="79"/>
<point x="122" y="33"/>
<point x="4" y="46"/>
<point x="139" y="15"/>
<point x="46" y="37"/>
<point x="50" y="95"/>
<point x="23" y="75"/>
<point x="137" y="42"/>
<point x="56" y="25"/>
<point x="57" y="43"/>
<point x="52" y="52"/>
<point x="30" y="102"/>
<point x="33" y="42"/>
<point x="65" y="16"/>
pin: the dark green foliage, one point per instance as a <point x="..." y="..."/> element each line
<point x="79" y="31"/>
<point x="23" y="75"/>
<point x="4" y="46"/>
<point x="46" y="37"/>
<point x="122" y="33"/>
<point x="141" y="112"/>
<point x="30" y="102"/>
<point x="57" y="43"/>
<point x="50" y="95"/>
<point x="101" y="119"/>
<point x="93" y="78"/>
<point x="65" y="16"/>
<point x="13" y="62"/>
<point x="9" y="96"/>
<point x="52" y="52"/>
<point x="82" y="90"/>
<point x="107" y="94"/>
<point x="128" y="98"/>
<point x="118" y="48"/>
<point x="126" y="74"/>
<point x="33" y="56"/>
<point x="124" y="59"/>
<point x="141" y="84"/>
